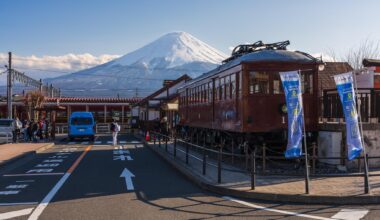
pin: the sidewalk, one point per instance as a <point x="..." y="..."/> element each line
<point x="12" y="152"/>
<point x="237" y="182"/>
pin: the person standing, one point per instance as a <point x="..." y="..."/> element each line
<point x="17" y="125"/>
<point x="115" y="128"/>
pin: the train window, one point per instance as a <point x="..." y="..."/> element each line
<point x="239" y="83"/>
<point x="277" y="85"/>
<point x="233" y="85"/>
<point x="307" y="82"/>
<point x="228" y="81"/>
<point x="258" y="82"/>
<point x="216" y="90"/>
<point x="210" y="91"/>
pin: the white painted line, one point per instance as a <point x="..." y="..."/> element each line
<point x="48" y="165"/>
<point x="109" y="142"/>
<point x="122" y="142"/>
<point x="33" y="174"/>
<point x="350" y="214"/>
<point x="25" y="181"/>
<point x="40" y="208"/>
<point x="15" y="214"/>
<point x="40" y="171"/>
<point x="9" y="192"/>
<point x="18" y="203"/>
<point x="52" y="157"/>
<point x="274" y="210"/>
<point x="128" y="178"/>
<point x="97" y="142"/>
<point x="85" y="142"/>
<point x="121" y="152"/>
<point x="19" y="186"/>
<point x="72" y="143"/>
<point x="53" y="161"/>
<point x="121" y="157"/>
<point x="63" y="153"/>
<point x="135" y="142"/>
<point x="129" y="158"/>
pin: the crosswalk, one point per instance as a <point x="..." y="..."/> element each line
<point x="104" y="142"/>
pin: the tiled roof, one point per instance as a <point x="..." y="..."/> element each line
<point x="325" y="80"/>
<point x="92" y="100"/>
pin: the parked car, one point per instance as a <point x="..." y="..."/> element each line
<point x="6" y="127"/>
<point x="81" y="125"/>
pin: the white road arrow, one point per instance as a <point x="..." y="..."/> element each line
<point x="128" y="178"/>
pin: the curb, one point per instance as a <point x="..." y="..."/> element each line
<point x="26" y="155"/>
<point x="299" y="198"/>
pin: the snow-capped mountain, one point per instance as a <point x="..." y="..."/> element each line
<point x="142" y="71"/>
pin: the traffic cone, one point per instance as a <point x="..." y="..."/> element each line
<point x="147" y="136"/>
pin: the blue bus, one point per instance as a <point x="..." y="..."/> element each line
<point x="81" y="125"/>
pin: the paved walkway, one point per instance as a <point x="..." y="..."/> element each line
<point x="234" y="178"/>
<point x="11" y="151"/>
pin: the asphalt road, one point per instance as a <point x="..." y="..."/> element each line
<point x="80" y="180"/>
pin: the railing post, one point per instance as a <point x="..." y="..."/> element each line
<point x="264" y="156"/>
<point x="367" y="188"/>
<point x="245" y="146"/>
<point x="253" y="169"/>
<point x="314" y="145"/>
<point x="187" y="153"/>
<point x="220" y="165"/>
<point x="166" y="143"/>
<point x="175" y="145"/>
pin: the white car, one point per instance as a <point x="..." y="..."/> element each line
<point x="6" y="127"/>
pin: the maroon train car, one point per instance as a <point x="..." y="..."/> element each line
<point x="244" y="96"/>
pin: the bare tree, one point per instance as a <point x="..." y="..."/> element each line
<point x="355" y="55"/>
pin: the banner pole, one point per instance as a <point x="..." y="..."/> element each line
<point x="307" y="177"/>
<point x="367" y="187"/>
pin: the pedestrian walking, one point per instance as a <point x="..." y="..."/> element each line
<point x="26" y="131"/>
<point x="17" y="125"/>
<point x="115" y="128"/>
<point x="34" y="131"/>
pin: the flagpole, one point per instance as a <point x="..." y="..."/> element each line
<point x="307" y="178"/>
<point x="367" y="187"/>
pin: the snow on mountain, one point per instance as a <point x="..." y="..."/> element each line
<point x="142" y="71"/>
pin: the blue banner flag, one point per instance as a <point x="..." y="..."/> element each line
<point x="292" y="88"/>
<point x="344" y="85"/>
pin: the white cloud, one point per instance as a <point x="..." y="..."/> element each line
<point x="65" y="63"/>
<point x="325" y="57"/>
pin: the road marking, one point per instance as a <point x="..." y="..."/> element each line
<point x="45" y="202"/>
<point x="40" y="171"/>
<point x="15" y="214"/>
<point x="274" y="210"/>
<point x="48" y="165"/>
<point x="129" y="158"/>
<point x="121" y="152"/>
<point x="63" y="153"/>
<point x="97" y="142"/>
<point x="350" y="214"/>
<point x="109" y="142"/>
<point x="85" y="142"/>
<point x="20" y="186"/>
<point x="138" y="146"/>
<point x="135" y="142"/>
<point x="128" y="178"/>
<point x="25" y="181"/>
<point x="122" y="142"/>
<point x="9" y="192"/>
<point x="33" y="174"/>
<point x="18" y="203"/>
<point x="72" y="143"/>
<point x="53" y="161"/>
<point x="63" y="157"/>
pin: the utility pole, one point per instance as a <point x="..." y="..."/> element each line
<point x="9" y="86"/>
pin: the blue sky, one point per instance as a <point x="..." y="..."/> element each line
<point x="52" y="27"/>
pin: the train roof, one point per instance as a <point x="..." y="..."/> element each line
<point x="264" y="55"/>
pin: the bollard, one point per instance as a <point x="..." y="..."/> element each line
<point x="314" y="145"/>
<point x="204" y="162"/>
<point x="220" y="165"/>
<point x="175" y="146"/>
<point x="253" y="169"/>
<point x="166" y="144"/>
<point x="264" y="156"/>
<point x="187" y="153"/>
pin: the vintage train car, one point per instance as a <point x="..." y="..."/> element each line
<point x="244" y="98"/>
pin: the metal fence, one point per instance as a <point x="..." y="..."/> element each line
<point x="254" y="161"/>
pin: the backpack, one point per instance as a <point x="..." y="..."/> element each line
<point x="113" y="127"/>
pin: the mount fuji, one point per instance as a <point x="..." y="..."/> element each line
<point x="142" y="71"/>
